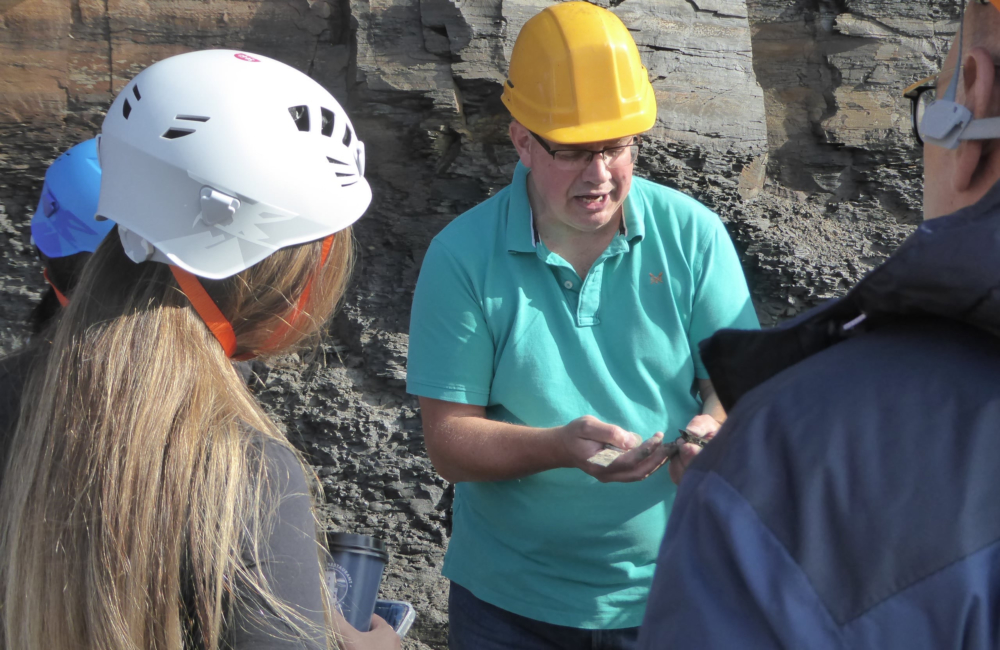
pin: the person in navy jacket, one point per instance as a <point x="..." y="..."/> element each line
<point x="852" y="499"/>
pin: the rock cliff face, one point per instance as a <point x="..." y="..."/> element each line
<point x="839" y="139"/>
<point x="783" y="116"/>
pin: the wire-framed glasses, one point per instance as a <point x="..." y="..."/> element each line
<point x="578" y="159"/>
<point x="921" y="95"/>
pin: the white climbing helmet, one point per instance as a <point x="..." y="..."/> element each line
<point x="213" y="160"/>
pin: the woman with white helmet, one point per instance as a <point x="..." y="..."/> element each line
<point x="147" y="501"/>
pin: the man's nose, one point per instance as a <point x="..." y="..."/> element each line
<point x="597" y="170"/>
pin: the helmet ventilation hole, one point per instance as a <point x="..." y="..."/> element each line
<point x="348" y="136"/>
<point x="173" y="134"/>
<point x="191" y="118"/>
<point x="344" y="174"/>
<point x="126" y="109"/>
<point x="300" y="114"/>
<point x="327" y="129"/>
<point x="135" y="91"/>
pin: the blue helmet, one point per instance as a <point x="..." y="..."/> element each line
<point x="64" y="222"/>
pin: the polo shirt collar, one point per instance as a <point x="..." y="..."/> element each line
<point x="522" y="236"/>
<point x="635" y="215"/>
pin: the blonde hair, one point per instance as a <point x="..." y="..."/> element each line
<point x="132" y="476"/>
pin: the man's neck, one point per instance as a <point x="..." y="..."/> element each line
<point x="580" y="249"/>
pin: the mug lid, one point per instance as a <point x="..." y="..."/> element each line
<point x="353" y="541"/>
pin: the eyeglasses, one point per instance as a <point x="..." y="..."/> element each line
<point x="579" y="159"/>
<point x="921" y="95"/>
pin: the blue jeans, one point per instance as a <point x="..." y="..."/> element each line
<point x="476" y="625"/>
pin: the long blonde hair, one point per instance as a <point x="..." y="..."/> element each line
<point x="132" y="474"/>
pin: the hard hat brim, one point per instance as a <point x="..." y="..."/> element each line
<point x="614" y="129"/>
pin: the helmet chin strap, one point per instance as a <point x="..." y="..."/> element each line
<point x="946" y="123"/>
<point x="60" y="296"/>
<point x="217" y="323"/>
<point x="206" y="308"/>
<point x="282" y="331"/>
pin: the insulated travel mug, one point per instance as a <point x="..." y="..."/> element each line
<point x="353" y="575"/>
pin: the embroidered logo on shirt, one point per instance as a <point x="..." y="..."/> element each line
<point x="656" y="279"/>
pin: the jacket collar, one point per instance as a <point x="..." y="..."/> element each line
<point x="949" y="267"/>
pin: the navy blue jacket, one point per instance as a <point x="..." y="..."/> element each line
<point x="852" y="499"/>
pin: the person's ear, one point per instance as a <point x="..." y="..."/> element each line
<point x="978" y="81"/>
<point x="521" y="138"/>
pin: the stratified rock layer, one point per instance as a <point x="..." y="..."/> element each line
<point x="782" y="115"/>
<point x="845" y="172"/>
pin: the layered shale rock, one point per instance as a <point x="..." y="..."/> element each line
<point x="782" y="115"/>
<point x="846" y="174"/>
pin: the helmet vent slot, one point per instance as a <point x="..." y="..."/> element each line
<point x="135" y="91"/>
<point x="126" y="109"/>
<point x="173" y="134"/>
<point x="327" y="114"/>
<point x="344" y="174"/>
<point x="191" y="118"/>
<point x="300" y="114"/>
<point x="348" y="136"/>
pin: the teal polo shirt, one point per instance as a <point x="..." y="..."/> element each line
<point x="500" y="321"/>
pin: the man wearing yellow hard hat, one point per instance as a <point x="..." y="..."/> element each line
<point x="851" y="499"/>
<point x="559" y="321"/>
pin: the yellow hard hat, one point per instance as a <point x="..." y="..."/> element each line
<point x="575" y="76"/>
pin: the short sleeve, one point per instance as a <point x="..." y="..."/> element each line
<point x="451" y="349"/>
<point x="721" y="297"/>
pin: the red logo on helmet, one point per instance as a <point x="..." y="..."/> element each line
<point x="246" y="57"/>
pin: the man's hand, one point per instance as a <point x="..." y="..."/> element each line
<point x="704" y="426"/>
<point x="584" y="437"/>
<point x="466" y="446"/>
<point x="381" y="636"/>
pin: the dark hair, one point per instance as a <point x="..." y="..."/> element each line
<point x="63" y="272"/>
